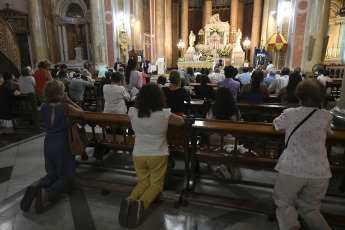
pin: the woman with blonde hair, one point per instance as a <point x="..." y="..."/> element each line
<point x="59" y="161"/>
<point x="175" y="95"/>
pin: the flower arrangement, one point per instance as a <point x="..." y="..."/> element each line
<point x="224" y="51"/>
<point x="215" y="29"/>
<point x="210" y="59"/>
<point x="181" y="59"/>
<point x="203" y="49"/>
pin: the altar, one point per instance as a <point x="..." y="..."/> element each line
<point x="196" y="64"/>
<point x="220" y="45"/>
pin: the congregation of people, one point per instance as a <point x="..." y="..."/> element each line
<point x="156" y="105"/>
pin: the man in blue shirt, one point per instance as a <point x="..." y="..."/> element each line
<point x="244" y="77"/>
<point x="271" y="76"/>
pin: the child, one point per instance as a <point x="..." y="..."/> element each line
<point x="150" y="122"/>
<point x="304" y="170"/>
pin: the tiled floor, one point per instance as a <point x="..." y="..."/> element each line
<point x="81" y="208"/>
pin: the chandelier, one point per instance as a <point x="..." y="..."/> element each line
<point x="341" y="12"/>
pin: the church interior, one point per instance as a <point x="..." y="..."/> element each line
<point x="220" y="174"/>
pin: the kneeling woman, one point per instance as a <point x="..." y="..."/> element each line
<point x="150" y="122"/>
<point x="59" y="161"/>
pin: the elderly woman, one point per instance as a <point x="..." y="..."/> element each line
<point x="27" y="83"/>
<point x="59" y="161"/>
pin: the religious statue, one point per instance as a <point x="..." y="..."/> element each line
<point x="191" y="39"/>
<point x="79" y="39"/>
<point x="238" y="38"/>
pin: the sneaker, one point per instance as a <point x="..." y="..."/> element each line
<point x="28" y="197"/>
<point x="222" y="171"/>
<point x="135" y="212"/>
<point x="124" y="212"/>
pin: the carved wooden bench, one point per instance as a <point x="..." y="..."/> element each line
<point x="263" y="147"/>
<point x="121" y="139"/>
<point x="24" y="108"/>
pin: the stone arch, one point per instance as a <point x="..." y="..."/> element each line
<point x="61" y="9"/>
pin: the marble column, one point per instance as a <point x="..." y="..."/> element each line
<point x="39" y="34"/>
<point x="138" y="27"/>
<point x="272" y="18"/>
<point x="168" y="33"/>
<point x="255" y="38"/>
<point x="87" y="28"/>
<point x="207" y="12"/>
<point x="340" y="32"/>
<point x="160" y="28"/>
<point x="233" y="14"/>
<point x="184" y="22"/>
<point x="316" y="33"/>
<point x="64" y="42"/>
<point x="175" y="32"/>
<point x="97" y="34"/>
<point x="264" y="22"/>
<point x="61" y="43"/>
<point x="240" y="16"/>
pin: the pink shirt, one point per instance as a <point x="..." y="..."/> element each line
<point x="306" y="154"/>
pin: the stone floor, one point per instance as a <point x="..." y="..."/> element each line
<point x="22" y="164"/>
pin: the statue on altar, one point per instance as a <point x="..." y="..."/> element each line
<point x="238" y="47"/>
<point x="191" y="39"/>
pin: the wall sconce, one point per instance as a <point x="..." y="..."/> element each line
<point x="132" y="21"/>
<point x="180" y="47"/>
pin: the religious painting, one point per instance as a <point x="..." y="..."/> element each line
<point x="260" y="57"/>
<point x="146" y="16"/>
<point x="74" y="11"/>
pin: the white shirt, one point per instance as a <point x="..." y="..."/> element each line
<point x="216" y="77"/>
<point x="135" y="80"/>
<point x="306" y="154"/>
<point x="269" y="66"/>
<point x="150" y="133"/>
<point x="324" y="79"/>
<point x="114" y="98"/>
<point x="27" y="84"/>
<point x="278" y="83"/>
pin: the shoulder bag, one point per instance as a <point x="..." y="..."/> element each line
<point x="77" y="138"/>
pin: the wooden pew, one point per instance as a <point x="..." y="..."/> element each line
<point x="271" y="110"/>
<point x="261" y="154"/>
<point x="335" y="89"/>
<point x="24" y="108"/>
<point x="121" y="140"/>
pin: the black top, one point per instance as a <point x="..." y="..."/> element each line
<point x="5" y="95"/>
<point x="104" y="81"/>
<point x="175" y="99"/>
<point x="204" y="91"/>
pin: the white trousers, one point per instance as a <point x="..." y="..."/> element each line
<point x="300" y="196"/>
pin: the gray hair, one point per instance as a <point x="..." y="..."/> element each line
<point x="217" y="70"/>
<point x="272" y="71"/>
<point x="25" y="71"/>
<point x="297" y="69"/>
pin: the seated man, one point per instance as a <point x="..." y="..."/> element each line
<point x="244" y="77"/>
<point x="280" y="82"/>
<point x="77" y="88"/>
<point x="216" y="76"/>
<point x="271" y="76"/>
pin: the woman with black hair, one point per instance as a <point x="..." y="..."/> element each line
<point x="224" y="107"/>
<point x="204" y="91"/>
<point x="134" y="78"/>
<point x="287" y="94"/>
<point x="150" y="121"/>
<point x="255" y="91"/>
